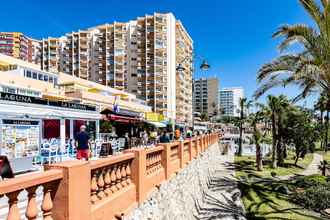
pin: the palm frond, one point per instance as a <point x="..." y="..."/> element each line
<point x="313" y="9"/>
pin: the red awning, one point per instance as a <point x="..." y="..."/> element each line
<point x="122" y="119"/>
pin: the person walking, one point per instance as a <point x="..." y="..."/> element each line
<point x="164" y="138"/>
<point x="177" y="134"/>
<point x="82" y="144"/>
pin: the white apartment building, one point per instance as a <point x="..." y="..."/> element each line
<point x="229" y="99"/>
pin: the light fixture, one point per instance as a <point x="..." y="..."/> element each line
<point x="180" y="68"/>
<point x="204" y="65"/>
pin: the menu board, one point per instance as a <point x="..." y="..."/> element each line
<point x="20" y="138"/>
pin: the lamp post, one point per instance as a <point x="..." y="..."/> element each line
<point x="203" y="66"/>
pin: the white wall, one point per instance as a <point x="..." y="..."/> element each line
<point x="171" y="68"/>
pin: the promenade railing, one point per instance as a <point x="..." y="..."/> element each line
<point x="107" y="188"/>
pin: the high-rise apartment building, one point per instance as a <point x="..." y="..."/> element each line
<point x="18" y="45"/>
<point x="139" y="56"/>
<point x="229" y="99"/>
<point x="152" y="61"/>
<point x="206" y="96"/>
<point x="51" y="53"/>
<point x="75" y="54"/>
<point x="184" y="53"/>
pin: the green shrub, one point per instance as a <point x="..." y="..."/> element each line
<point x="315" y="197"/>
<point x="312" y="180"/>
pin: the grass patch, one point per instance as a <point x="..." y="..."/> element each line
<point x="247" y="165"/>
<point x="260" y="192"/>
<point x="262" y="203"/>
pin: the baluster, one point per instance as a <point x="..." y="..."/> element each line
<point x="113" y="179"/>
<point x="94" y="188"/>
<point x="47" y="203"/>
<point x="148" y="163"/>
<point x="159" y="161"/>
<point x="123" y="175"/>
<point x="107" y="180"/>
<point x="100" y="184"/>
<point x="118" y="177"/>
<point x="13" y="213"/>
<point x="128" y="173"/>
<point x="31" y="209"/>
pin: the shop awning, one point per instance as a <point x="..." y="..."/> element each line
<point x="122" y="119"/>
<point x="121" y="112"/>
<point x="32" y="111"/>
<point x="157" y="124"/>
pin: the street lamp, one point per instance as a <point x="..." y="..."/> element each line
<point x="204" y="66"/>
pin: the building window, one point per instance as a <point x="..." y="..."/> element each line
<point x="28" y="74"/>
<point x="40" y="76"/>
<point x="46" y="78"/>
<point x="34" y="75"/>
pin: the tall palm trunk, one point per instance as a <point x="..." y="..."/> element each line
<point x="326" y="131"/>
<point x="280" y="142"/>
<point x="258" y="148"/>
<point x="240" y="132"/>
<point x="274" y="149"/>
<point x="322" y="124"/>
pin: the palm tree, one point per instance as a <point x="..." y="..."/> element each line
<point x="276" y="108"/>
<point x="310" y="68"/>
<point x="255" y="119"/>
<point x="321" y="106"/>
<point x="273" y="106"/>
<point x="244" y="104"/>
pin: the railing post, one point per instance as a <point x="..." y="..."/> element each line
<point x="72" y="199"/>
<point x="166" y="156"/>
<point x="139" y="173"/>
<point x="190" y="149"/>
<point x="181" y="154"/>
<point x="204" y="143"/>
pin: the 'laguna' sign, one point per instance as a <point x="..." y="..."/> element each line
<point x="35" y="100"/>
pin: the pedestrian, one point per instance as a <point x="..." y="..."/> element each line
<point x="145" y="138"/>
<point x="153" y="136"/>
<point x="177" y="134"/>
<point x="82" y="144"/>
<point x="164" y="138"/>
<point x="127" y="141"/>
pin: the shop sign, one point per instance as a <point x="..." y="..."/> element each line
<point x="153" y="116"/>
<point x="19" y="122"/>
<point x="35" y="100"/>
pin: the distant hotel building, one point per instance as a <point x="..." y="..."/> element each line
<point x="139" y="56"/>
<point x="205" y="96"/>
<point x="229" y="99"/>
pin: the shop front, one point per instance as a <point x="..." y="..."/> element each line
<point x="27" y="124"/>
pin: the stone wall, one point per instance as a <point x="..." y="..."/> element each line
<point x="189" y="195"/>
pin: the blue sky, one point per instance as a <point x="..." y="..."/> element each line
<point x="234" y="36"/>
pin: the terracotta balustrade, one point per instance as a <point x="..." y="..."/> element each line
<point x="11" y="188"/>
<point x="154" y="160"/>
<point x="186" y="151"/>
<point x="104" y="188"/>
<point x="194" y="151"/>
<point x="175" y="153"/>
<point x="110" y="176"/>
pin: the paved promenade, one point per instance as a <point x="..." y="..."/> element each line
<point x="313" y="168"/>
